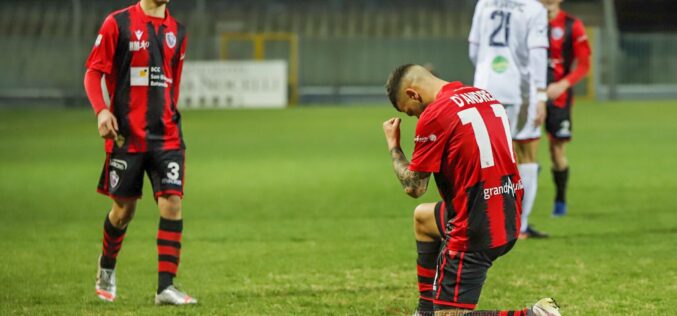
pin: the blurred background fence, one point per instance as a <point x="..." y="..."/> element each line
<point x="345" y="47"/>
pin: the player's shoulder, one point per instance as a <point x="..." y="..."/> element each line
<point x="573" y="19"/>
<point x="117" y="13"/>
<point x="535" y="7"/>
<point x="111" y="18"/>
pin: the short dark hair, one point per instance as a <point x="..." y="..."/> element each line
<point x="394" y="83"/>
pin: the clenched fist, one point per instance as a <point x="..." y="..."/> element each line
<point x="391" y="128"/>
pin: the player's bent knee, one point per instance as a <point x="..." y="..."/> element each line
<point x="424" y="222"/>
<point x="424" y="213"/>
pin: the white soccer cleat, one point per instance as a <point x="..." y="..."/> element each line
<point x="105" y="283"/>
<point x="172" y="296"/>
<point x="546" y="307"/>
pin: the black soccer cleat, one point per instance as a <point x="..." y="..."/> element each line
<point x="532" y="233"/>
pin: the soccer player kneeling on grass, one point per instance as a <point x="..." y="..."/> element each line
<point x="140" y="51"/>
<point x="463" y="137"/>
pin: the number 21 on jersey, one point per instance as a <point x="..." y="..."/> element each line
<point x="482" y="137"/>
<point x="502" y="20"/>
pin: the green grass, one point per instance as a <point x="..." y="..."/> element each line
<point x="297" y="212"/>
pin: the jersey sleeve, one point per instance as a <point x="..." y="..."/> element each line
<point x="179" y="70"/>
<point x="581" y="53"/>
<point x="103" y="52"/>
<point x="474" y="36"/>
<point x="429" y="146"/>
<point x="538" y="30"/>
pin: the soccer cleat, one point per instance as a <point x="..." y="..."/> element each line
<point x="560" y="209"/>
<point x="545" y="307"/>
<point x="172" y="296"/>
<point x="105" y="283"/>
<point x="532" y="233"/>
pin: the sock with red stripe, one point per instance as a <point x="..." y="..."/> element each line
<point x="425" y="267"/>
<point x="112" y="242"/>
<point x="522" y="312"/>
<point x="169" y="251"/>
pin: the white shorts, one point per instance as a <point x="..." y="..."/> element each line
<point x="521" y="119"/>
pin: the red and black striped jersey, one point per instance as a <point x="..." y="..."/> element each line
<point x="142" y="58"/>
<point x="463" y="138"/>
<point x="568" y="43"/>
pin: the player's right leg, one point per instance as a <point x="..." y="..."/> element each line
<point x="428" y="229"/>
<point x="114" y="229"/>
<point x="121" y="179"/>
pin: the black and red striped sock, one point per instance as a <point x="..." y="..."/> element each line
<point x="169" y="251"/>
<point x="112" y="242"/>
<point x="425" y="268"/>
<point x="522" y="312"/>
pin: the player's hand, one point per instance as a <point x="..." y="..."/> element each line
<point x="391" y="128"/>
<point x="540" y="114"/>
<point x="108" y="124"/>
<point x="556" y="89"/>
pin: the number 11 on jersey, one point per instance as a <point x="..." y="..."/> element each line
<point x="472" y="116"/>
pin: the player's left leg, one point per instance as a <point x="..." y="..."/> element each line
<point x="428" y="234"/>
<point x="166" y="171"/>
<point x="544" y="307"/>
<point x="560" y="175"/>
<point x="460" y="278"/>
<point x="526" y="152"/>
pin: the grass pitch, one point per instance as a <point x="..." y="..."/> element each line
<point x="297" y="212"/>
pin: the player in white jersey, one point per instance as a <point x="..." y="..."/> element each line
<point x="508" y="45"/>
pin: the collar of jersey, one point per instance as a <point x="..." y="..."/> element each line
<point x="147" y="19"/>
<point x="448" y="88"/>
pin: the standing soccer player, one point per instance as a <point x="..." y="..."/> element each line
<point x="463" y="137"/>
<point x="508" y="45"/>
<point x="140" y="51"/>
<point x="568" y="44"/>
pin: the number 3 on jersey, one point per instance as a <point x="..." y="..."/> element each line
<point x="472" y="116"/>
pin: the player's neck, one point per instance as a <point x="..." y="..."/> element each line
<point x="552" y="14"/>
<point x="152" y="9"/>
<point x="435" y="87"/>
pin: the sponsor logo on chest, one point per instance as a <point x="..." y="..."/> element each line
<point x="135" y="46"/>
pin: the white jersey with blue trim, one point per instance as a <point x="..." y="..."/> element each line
<point x="503" y="32"/>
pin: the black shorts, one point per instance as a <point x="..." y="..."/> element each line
<point x="122" y="175"/>
<point x="558" y="122"/>
<point x="460" y="275"/>
<point x="442" y="217"/>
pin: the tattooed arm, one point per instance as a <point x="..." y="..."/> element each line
<point x="414" y="183"/>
